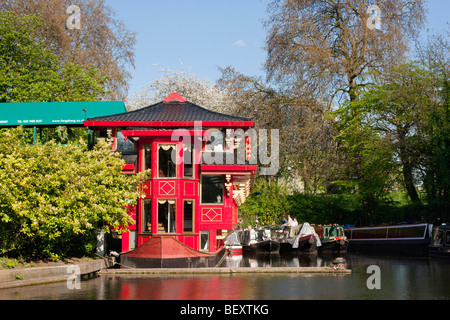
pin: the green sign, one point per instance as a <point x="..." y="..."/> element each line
<point x="56" y="113"/>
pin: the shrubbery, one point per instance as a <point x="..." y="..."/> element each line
<point x="270" y="201"/>
<point x="54" y="198"/>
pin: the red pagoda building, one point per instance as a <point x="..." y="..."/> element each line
<point x="197" y="170"/>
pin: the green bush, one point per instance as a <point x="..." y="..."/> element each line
<point x="54" y="198"/>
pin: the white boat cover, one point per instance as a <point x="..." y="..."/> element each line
<point x="306" y="230"/>
<point x="232" y="239"/>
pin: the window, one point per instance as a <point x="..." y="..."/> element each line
<point x="212" y="189"/>
<point x="122" y="144"/>
<point x="204" y="240"/>
<point x="147" y="215"/>
<point x="133" y="239"/>
<point x="127" y="151"/>
<point x="188" y="161"/>
<point x="166" y="165"/>
<point x="167" y="216"/>
<point x="188" y="215"/>
<point x="147" y="157"/>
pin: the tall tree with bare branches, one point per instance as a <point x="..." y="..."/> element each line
<point x="327" y="47"/>
<point x="99" y="40"/>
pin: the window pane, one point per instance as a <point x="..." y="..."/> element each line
<point x="166" y="166"/>
<point x="147" y="216"/>
<point x="188" y="161"/>
<point x="133" y="239"/>
<point x="212" y="189"/>
<point x="123" y="145"/>
<point x="147" y="157"/>
<point x="166" y="216"/>
<point x="204" y="240"/>
<point x="188" y="209"/>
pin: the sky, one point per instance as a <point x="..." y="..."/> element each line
<point x="202" y="35"/>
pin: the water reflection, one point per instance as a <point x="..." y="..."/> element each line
<point x="401" y="278"/>
<point x="267" y="260"/>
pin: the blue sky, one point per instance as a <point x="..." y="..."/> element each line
<point x="206" y="34"/>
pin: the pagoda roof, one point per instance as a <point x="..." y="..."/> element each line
<point x="173" y="109"/>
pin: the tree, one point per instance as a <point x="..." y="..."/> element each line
<point x="327" y="47"/>
<point x="307" y="149"/>
<point x="434" y="133"/>
<point x="409" y="114"/>
<point x="267" y="204"/>
<point x="54" y="208"/>
<point x="32" y="73"/>
<point x="185" y="83"/>
<point x="102" y="42"/>
<point x="371" y="150"/>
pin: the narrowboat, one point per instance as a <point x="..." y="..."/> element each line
<point x="440" y="242"/>
<point x="301" y="238"/>
<point x="232" y="245"/>
<point x="332" y="237"/>
<point x="259" y="240"/>
<point x="408" y="238"/>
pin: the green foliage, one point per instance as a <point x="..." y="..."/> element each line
<point x="267" y="203"/>
<point x="318" y="209"/>
<point x="371" y="152"/>
<point x="32" y="73"/>
<point x="397" y="133"/>
<point x="53" y="198"/>
<point x="270" y="201"/>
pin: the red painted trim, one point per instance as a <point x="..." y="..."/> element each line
<point x="224" y="124"/>
<point x="156" y="133"/>
<point x="227" y="167"/>
<point x="174" y="97"/>
<point x="128" y="167"/>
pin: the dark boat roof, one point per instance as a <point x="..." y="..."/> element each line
<point x="444" y="227"/>
<point x="170" y="111"/>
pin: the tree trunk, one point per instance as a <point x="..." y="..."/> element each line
<point x="407" y="168"/>
<point x="409" y="183"/>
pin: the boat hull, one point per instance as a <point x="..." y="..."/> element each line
<point x="408" y="247"/>
<point x="234" y="250"/>
<point x="338" y="246"/>
<point x="440" y="243"/>
<point x="167" y="252"/>
<point x="439" y="252"/>
<point x="270" y="246"/>
<point x="408" y="239"/>
<point x="307" y="244"/>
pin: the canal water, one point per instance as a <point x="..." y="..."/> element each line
<point x="373" y="277"/>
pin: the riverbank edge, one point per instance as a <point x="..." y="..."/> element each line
<point x="157" y="271"/>
<point x="10" y="278"/>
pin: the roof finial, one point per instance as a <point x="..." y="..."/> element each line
<point x="174" y="97"/>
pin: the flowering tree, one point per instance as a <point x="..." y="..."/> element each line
<point x="54" y="198"/>
<point x="185" y="83"/>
